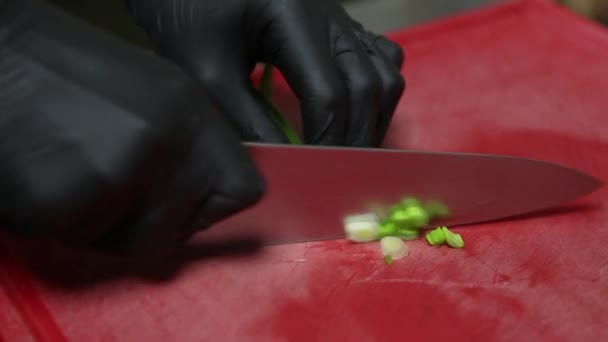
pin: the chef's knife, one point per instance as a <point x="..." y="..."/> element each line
<point x="311" y="189"/>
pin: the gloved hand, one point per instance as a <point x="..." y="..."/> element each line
<point x="105" y="144"/>
<point x="347" y="79"/>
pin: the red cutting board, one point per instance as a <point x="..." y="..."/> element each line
<point x="525" y="79"/>
<point x="11" y="322"/>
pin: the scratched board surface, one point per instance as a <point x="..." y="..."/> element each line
<point x="525" y="79"/>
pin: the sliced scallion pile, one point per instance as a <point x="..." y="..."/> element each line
<point x="404" y="221"/>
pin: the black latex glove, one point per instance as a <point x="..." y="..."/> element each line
<point x="347" y="79"/>
<point x="106" y="144"/>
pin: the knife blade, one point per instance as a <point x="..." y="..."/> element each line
<point x="310" y="189"/>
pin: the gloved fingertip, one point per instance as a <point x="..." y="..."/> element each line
<point x="393" y="51"/>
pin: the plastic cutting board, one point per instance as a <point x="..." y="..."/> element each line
<point x="526" y="79"/>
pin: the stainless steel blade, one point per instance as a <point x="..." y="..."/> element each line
<point x="311" y="189"/>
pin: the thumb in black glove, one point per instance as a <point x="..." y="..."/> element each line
<point x="347" y="79"/>
<point x="103" y="144"/>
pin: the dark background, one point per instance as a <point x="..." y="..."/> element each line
<point x="376" y="15"/>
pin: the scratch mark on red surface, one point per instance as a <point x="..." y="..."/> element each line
<point x="349" y="281"/>
<point x="441" y="283"/>
<point x="330" y="293"/>
<point x="289" y="275"/>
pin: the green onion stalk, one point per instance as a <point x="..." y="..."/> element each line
<point x="266" y="91"/>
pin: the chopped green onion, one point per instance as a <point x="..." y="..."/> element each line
<point x="388" y="259"/>
<point x="454" y="240"/>
<point x="412" y="217"/>
<point x="404" y="221"/>
<point x="441" y="235"/>
<point x="394" y="248"/>
<point x="435" y="237"/>
<point x="408" y="234"/>
<point x="361" y="228"/>
<point x="387" y="228"/>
